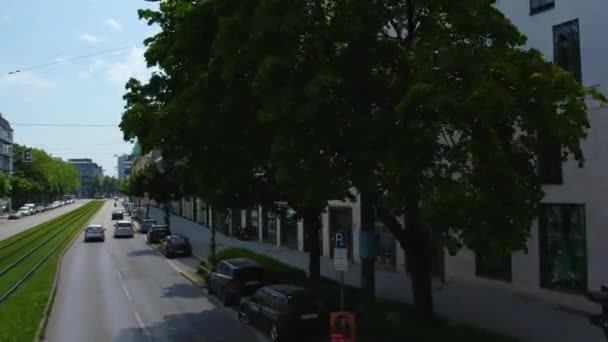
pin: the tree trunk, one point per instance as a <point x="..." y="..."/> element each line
<point x="368" y="261"/>
<point x="212" y="244"/>
<point x="416" y="243"/>
<point x="148" y="210"/>
<point x="167" y="213"/>
<point x="418" y="258"/>
<point x="312" y="226"/>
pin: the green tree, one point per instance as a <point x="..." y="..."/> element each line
<point x="439" y="118"/>
<point x="42" y="179"/>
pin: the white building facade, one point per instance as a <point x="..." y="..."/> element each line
<point x="567" y="247"/>
<point x="125" y="163"/>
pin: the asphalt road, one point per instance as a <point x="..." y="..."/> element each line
<point x="122" y="290"/>
<point x="9" y="228"/>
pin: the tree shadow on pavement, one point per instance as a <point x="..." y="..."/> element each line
<point x="142" y="252"/>
<point x="206" y="326"/>
<point x="183" y="291"/>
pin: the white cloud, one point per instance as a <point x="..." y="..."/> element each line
<point x="89" y="38"/>
<point x="27" y="79"/>
<point x="115" y="25"/>
<point x="96" y="65"/>
<point x="134" y="66"/>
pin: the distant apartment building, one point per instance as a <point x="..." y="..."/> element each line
<point x="90" y="175"/>
<point x="125" y="163"/>
<point x="6" y="156"/>
<point x="6" y="146"/>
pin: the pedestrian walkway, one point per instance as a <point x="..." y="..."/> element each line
<point x="490" y="307"/>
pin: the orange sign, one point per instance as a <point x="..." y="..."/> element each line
<point x="342" y="327"/>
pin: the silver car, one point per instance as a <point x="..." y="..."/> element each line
<point x="94" y="232"/>
<point x="123" y="229"/>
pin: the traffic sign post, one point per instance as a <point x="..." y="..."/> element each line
<point x="341" y="261"/>
<point x="27" y="155"/>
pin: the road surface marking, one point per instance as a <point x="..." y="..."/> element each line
<point x="124" y="285"/>
<point x="139" y="321"/>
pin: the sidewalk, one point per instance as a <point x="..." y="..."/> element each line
<point x="487" y="307"/>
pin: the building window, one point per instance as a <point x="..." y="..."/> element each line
<point x="566" y="48"/>
<point x="494" y="267"/>
<point x="563" y="247"/>
<point x="550" y="161"/>
<point x="537" y="6"/>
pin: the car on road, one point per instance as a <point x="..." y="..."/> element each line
<point x="117" y="215"/>
<point x="94" y="232"/>
<point x="146" y="224"/>
<point x="123" y="229"/>
<point x="15" y="215"/>
<point x="235" y="278"/>
<point x="157" y="233"/>
<point x="40" y="209"/>
<point x="174" y="245"/>
<point x="26" y="211"/>
<point x="287" y="312"/>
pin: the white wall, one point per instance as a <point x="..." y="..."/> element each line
<point x="587" y="185"/>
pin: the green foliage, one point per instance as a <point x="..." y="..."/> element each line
<point x="42" y="179"/>
<point x="109" y="185"/>
<point x="440" y="118"/>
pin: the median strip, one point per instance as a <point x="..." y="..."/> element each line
<point x="26" y="287"/>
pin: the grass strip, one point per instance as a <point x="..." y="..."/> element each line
<point x="46" y="244"/>
<point x="376" y="322"/>
<point x="38" y="227"/>
<point x="20" y="314"/>
<point x="25" y="245"/>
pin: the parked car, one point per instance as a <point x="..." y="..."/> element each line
<point x="26" y="211"/>
<point x="94" y="232"/>
<point x="157" y="233"/>
<point x="287" y="312"/>
<point x="40" y="209"/>
<point x="146" y="224"/>
<point x="123" y="229"/>
<point x="233" y="279"/>
<point x="31" y="206"/>
<point x="15" y="215"/>
<point x="174" y="245"/>
<point x="117" y="215"/>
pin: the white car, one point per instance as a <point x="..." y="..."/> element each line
<point x="26" y="211"/>
<point x="94" y="232"/>
<point x="123" y="229"/>
<point x="15" y="215"/>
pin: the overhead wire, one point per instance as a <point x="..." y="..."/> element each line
<point x="64" y="60"/>
<point x="61" y="125"/>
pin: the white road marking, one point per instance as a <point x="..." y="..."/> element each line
<point x="124" y="285"/>
<point x="139" y="321"/>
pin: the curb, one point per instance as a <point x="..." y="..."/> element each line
<point x="40" y="334"/>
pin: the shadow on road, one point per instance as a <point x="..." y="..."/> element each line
<point x="142" y="252"/>
<point x="209" y="325"/>
<point x="182" y="291"/>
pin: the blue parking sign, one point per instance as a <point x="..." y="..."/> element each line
<point x="341" y="240"/>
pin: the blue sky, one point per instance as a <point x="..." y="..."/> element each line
<point x="84" y="91"/>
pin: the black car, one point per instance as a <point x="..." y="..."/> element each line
<point x="174" y="245"/>
<point x="157" y="233"/>
<point x="287" y="312"/>
<point x="233" y="279"/>
<point x="117" y="215"/>
<point x="146" y="224"/>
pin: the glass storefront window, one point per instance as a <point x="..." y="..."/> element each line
<point x="563" y="247"/>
